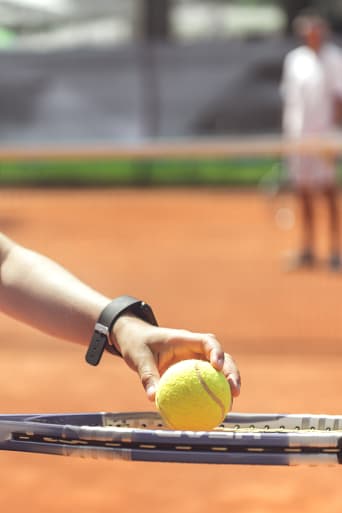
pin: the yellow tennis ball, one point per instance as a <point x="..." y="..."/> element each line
<point x="192" y="395"/>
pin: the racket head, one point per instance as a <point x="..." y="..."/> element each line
<point x="256" y="439"/>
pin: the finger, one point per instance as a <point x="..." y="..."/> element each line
<point x="232" y="373"/>
<point x="214" y="351"/>
<point x="148" y="373"/>
<point x="235" y="385"/>
<point x="205" y="346"/>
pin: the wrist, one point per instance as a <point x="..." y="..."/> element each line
<point x="106" y="331"/>
<point x="121" y="328"/>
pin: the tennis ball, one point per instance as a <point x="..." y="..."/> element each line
<point x="192" y="395"/>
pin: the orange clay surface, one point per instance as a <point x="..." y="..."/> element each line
<point x="206" y="260"/>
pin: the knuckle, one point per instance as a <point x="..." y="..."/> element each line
<point x="146" y="377"/>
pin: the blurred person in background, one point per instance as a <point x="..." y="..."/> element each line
<point x="36" y="290"/>
<point x="311" y="90"/>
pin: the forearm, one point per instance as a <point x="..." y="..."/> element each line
<point x="39" y="292"/>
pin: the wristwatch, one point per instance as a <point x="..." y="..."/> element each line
<point x="100" y="340"/>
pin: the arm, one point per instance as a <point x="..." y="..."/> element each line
<point x="39" y="292"/>
<point x="335" y="80"/>
<point x="337" y="110"/>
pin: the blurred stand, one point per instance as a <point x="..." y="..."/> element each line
<point x="81" y="72"/>
<point x="141" y="90"/>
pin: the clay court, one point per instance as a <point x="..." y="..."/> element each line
<point x="207" y="260"/>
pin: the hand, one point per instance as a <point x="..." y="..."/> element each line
<point x="150" y="350"/>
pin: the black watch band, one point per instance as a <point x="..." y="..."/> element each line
<point x="100" y="339"/>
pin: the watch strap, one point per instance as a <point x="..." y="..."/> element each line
<point x="100" y="340"/>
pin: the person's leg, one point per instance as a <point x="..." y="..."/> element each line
<point x="300" y="174"/>
<point x="331" y="196"/>
<point x="305" y="196"/>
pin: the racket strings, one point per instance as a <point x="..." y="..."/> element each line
<point x="237" y="423"/>
<point x="228" y="428"/>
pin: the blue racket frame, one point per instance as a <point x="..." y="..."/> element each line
<point x="242" y="439"/>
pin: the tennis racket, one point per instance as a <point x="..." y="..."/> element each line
<point x="242" y="439"/>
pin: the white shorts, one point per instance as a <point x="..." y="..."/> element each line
<point x="311" y="172"/>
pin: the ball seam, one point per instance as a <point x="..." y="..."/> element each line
<point x="210" y="392"/>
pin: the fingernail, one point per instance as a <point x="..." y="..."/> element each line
<point x="234" y="382"/>
<point x="218" y="361"/>
<point x="151" y="392"/>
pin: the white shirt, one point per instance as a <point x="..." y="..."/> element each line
<point x="311" y="81"/>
